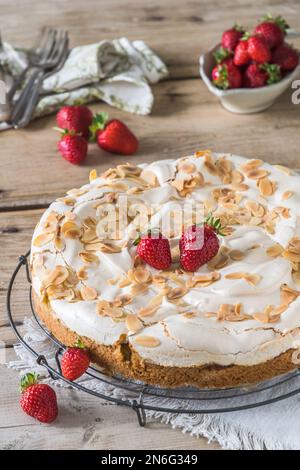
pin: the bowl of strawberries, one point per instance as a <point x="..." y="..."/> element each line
<point x="249" y="71"/>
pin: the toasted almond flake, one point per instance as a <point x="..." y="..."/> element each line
<point x="159" y="281"/>
<point x="73" y="233"/>
<point x="186" y="167"/>
<point x="255" y="208"/>
<point x="133" y="323"/>
<point x="294" y="245"/>
<point x="57" y="276"/>
<point x="296" y="277"/>
<point x="237" y="275"/>
<point x="59" y="244"/>
<point x="43" y="239"/>
<point x="252" y="279"/>
<point x="261" y="317"/>
<point x="68" y="201"/>
<point x="178" y="184"/>
<point x="202" y="153"/>
<point x="257" y="174"/>
<point x="176" y="293"/>
<point x="240" y="187"/>
<point x="82" y="273"/>
<point x="138" y="289"/>
<point x="274" y="250"/>
<point x="279" y="310"/>
<point x="236" y="177"/>
<point x="266" y="187"/>
<point x="88" y="293"/>
<point x="287" y="294"/>
<point x="147" y="311"/>
<point x="203" y="280"/>
<point x="287" y="195"/>
<point x="88" y="257"/>
<point x="93" y="175"/>
<point x="147" y="341"/>
<point x="124" y="282"/>
<point x="291" y="256"/>
<point x="283" y="169"/>
<point x="141" y="275"/>
<point x="236" y="255"/>
<point x="189" y="315"/>
<point x="69" y="225"/>
<point x="149" y="177"/>
<point x="219" y="261"/>
<point x="250" y="164"/>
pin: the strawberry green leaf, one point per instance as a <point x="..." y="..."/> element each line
<point x="222" y="54"/>
<point x="98" y="123"/>
<point x="28" y="380"/>
<point x="79" y="344"/>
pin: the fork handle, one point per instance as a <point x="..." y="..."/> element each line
<point x="23" y="98"/>
<point x="32" y="101"/>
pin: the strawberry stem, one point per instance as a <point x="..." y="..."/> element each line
<point x="215" y="224"/>
<point x="28" y="380"/>
<point x="79" y="344"/>
<point x="98" y="124"/>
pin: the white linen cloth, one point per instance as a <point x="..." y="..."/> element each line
<point x="118" y="72"/>
<point x="275" y="426"/>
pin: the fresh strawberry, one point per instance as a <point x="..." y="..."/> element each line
<point x="272" y="30"/>
<point x="260" y="75"/>
<point x="113" y="136"/>
<point x="241" y="54"/>
<point x="76" y="119"/>
<point x="286" y="57"/>
<point x="231" y="37"/>
<point x="154" y="249"/>
<point x="226" y="75"/>
<point x="73" y="147"/>
<point x="258" y="49"/>
<point x="38" y="400"/>
<point x="75" y="361"/>
<point x="199" y="244"/>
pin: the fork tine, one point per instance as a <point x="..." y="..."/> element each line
<point x="41" y="41"/>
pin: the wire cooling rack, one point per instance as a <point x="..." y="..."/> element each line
<point x="141" y="397"/>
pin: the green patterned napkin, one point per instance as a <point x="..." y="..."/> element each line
<point x="117" y="72"/>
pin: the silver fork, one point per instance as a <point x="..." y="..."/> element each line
<point x="33" y="59"/>
<point x="51" y="58"/>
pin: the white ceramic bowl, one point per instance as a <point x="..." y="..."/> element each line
<point x="244" y="100"/>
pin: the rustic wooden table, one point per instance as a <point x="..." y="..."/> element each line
<point x="186" y="117"/>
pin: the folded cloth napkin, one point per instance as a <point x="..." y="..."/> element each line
<point x="273" y="427"/>
<point x="117" y="72"/>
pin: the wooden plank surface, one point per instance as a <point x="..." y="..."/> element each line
<point x="178" y="30"/>
<point x="186" y="117"/>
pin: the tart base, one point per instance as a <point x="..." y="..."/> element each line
<point x="121" y="358"/>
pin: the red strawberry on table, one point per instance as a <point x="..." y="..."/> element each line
<point x="226" y="75"/>
<point x="199" y="244"/>
<point x="231" y="37"/>
<point x="73" y="147"/>
<point x="286" y="57"/>
<point x="38" y="400"/>
<point x="154" y="249"/>
<point x="260" y="75"/>
<point x="272" y="30"/>
<point x="258" y="49"/>
<point x="76" y="119"/>
<point x="113" y="136"/>
<point x="241" y="54"/>
<point x="75" y="361"/>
